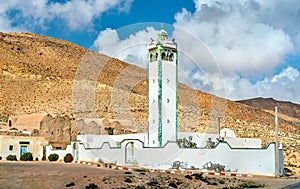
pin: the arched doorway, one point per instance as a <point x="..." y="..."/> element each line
<point x="131" y="153"/>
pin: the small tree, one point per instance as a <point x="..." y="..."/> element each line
<point x="53" y="157"/>
<point x="68" y="158"/>
<point x="186" y="143"/>
<point x="210" y="144"/>
<point x="26" y="156"/>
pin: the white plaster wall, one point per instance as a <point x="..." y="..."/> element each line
<point x="96" y="141"/>
<point x="104" y="154"/>
<point x="59" y="152"/>
<point x="168" y="108"/>
<point x="35" y="146"/>
<point x="153" y="104"/>
<point x="243" y="142"/>
<point x="252" y="161"/>
<point x="244" y="160"/>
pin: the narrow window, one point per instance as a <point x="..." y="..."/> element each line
<point x="11" y="147"/>
<point x="168" y="121"/>
<point x="9" y="123"/>
<point x="168" y="100"/>
<point x="163" y="55"/>
<point x="171" y="57"/>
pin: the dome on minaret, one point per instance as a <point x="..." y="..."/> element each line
<point x="162" y="35"/>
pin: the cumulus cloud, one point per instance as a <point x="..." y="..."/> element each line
<point x="132" y="49"/>
<point x="75" y="14"/>
<point x="226" y="47"/>
<point x="237" y="38"/>
<point x="247" y="39"/>
<point x="284" y="86"/>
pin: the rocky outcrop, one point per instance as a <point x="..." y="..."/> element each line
<point x="57" y="130"/>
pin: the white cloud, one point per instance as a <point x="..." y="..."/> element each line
<point x="227" y="42"/>
<point x="283" y="86"/>
<point x="133" y="49"/>
<point x="236" y="36"/>
<point x="246" y="38"/>
<point x="76" y="14"/>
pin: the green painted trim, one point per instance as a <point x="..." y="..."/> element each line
<point x="160" y="100"/>
<point x="176" y="95"/>
<point x="170" y="142"/>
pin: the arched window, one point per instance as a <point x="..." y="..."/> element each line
<point x="151" y="57"/>
<point x="171" y="57"/>
<point x="163" y="56"/>
<point x="156" y="56"/>
<point x="9" y="123"/>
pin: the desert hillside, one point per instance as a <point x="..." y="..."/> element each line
<point x="286" y="108"/>
<point x="40" y="74"/>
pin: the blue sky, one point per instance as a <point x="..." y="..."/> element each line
<point x="249" y="48"/>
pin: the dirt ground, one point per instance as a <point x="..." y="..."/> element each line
<point x="54" y="175"/>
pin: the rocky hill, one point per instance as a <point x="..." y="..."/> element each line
<point x="286" y="108"/>
<point x="39" y="74"/>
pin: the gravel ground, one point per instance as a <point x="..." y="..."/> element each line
<point x="55" y="175"/>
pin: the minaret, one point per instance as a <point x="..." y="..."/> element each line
<point x="162" y="91"/>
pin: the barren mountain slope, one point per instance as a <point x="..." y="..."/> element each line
<point x="286" y="108"/>
<point x="42" y="74"/>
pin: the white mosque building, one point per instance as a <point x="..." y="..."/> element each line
<point x="158" y="148"/>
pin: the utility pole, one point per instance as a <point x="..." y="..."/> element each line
<point x="219" y="124"/>
<point x="276" y="144"/>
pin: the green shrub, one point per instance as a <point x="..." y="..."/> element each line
<point x="140" y="170"/>
<point x="221" y="181"/>
<point x="250" y="184"/>
<point x="127" y="179"/>
<point x="53" y="157"/>
<point x="11" y="158"/>
<point x="26" y="157"/>
<point x="92" y="186"/>
<point x="68" y="158"/>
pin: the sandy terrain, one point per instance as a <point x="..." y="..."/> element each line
<point x="61" y="175"/>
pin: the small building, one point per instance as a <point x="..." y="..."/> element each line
<point x="18" y="145"/>
<point x="56" y="129"/>
<point x="29" y="122"/>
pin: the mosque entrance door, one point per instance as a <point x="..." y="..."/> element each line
<point x="131" y="153"/>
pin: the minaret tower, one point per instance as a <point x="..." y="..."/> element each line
<point x="162" y="91"/>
